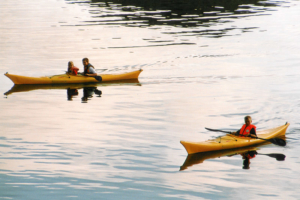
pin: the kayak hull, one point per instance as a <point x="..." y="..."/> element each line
<point x="231" y="141"/>
<point x="67" y="79"/>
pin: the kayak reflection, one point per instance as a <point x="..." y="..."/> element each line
<point x="247" y="154"/>
<point x="73" y="87"/>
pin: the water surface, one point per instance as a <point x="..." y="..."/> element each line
<point x="204" y="66"/>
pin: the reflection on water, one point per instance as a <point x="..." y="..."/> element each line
<point x="71" y="88"/>
<point x="246" y="157"/>
<point x="89" y="89"/>
<point x="88" y="93"/>
<point x="197" y="14"/>
<point x="71" y="93"/>
<point x="247" y="154"/>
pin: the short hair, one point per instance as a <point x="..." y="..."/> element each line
<point x="85" y="59"/>
<point x="247" y="117"/>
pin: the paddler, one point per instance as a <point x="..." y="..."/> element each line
<point x="88" y="69"/>
<point x="72" y="69"/>
<point x="247" y="129"/>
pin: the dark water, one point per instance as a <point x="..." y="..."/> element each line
<point x="206" y="64"/>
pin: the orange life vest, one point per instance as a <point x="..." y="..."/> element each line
<point x="75" y="70"/>
<point x="246" y="130"/>
<point x="250" y="157"/>
<point x="249" y="154"/>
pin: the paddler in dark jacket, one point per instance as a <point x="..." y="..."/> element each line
<point x="88" y="69"/>
<point x="247" y="129"/>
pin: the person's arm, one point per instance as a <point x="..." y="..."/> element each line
<point x="91" y="72"/>
<point x="253" y="132"/>
<point x="236" y="133"/>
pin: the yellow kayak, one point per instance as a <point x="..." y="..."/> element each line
<point x="66" y="78"/>
<point x="198" y="158"/>
<point x="231" y="141"/>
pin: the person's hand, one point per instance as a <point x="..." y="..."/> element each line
<point x="234" y="133"/>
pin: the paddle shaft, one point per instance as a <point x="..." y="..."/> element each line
<point x="217" y="130"/>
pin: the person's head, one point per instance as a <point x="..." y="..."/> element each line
<point x="70" y="65"/>
<point x="85" y="61"/>
<point x="248" y="120"/>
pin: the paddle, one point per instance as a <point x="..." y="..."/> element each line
<point x="278" y="156"/>
<point x="216" y="130"/>
<point x="277" y="141"/>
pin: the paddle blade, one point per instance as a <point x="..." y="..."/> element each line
<point x="279" y="157"/>
<point x="278" y="141"/>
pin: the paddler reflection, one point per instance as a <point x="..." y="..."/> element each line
<point x="88" y="93"/>
<point x="71" y="93"/>
<point x="251" y="154"/>
<point x="246" y="157"/>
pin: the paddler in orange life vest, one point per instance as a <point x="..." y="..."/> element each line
<point x="247" y="129"/>
<point x="72" y="69"/>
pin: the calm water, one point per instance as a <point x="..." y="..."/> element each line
<point x="204" y="66"/>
